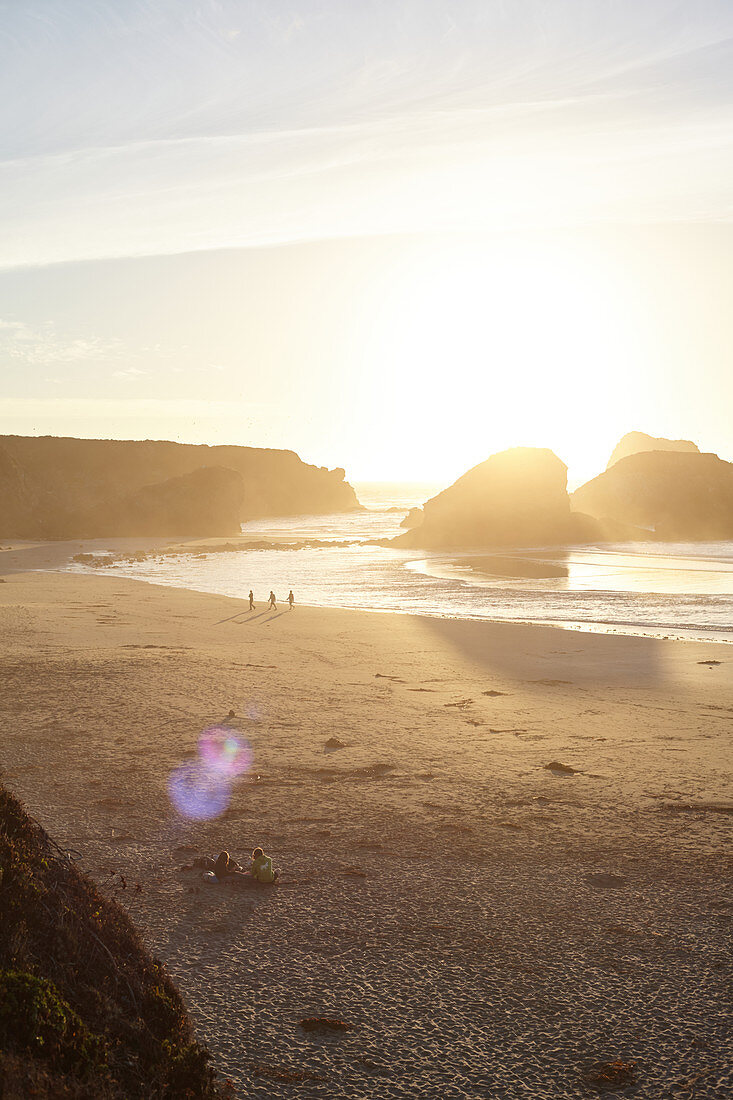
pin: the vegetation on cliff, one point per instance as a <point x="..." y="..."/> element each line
<point x="85" y="1012"/>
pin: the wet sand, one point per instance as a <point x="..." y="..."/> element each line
<point x="491" y="926"/>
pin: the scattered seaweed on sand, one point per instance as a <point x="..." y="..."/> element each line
<point x="560" y="769"/>
<point x="606" y="880"/>
<point x="324" y="1024"/>
<point x="606" y="1076"/>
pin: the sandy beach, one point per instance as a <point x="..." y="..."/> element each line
<point x="489" y="925"/>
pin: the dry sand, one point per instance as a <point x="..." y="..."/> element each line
<point x="491" y="927"/>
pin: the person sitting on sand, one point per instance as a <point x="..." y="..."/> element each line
<point x="261" y="868"/>
<point x="291" y="599"/>
<point x="225" y="866"/>
<point x="272" y="605"/>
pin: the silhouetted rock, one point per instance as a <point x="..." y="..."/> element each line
<point x="634" y="443"/>
<point x="209" y="499"/>
<point x="413" y="518"/>
<point x="517" y="497"/>
<point x="675" y="495"/>
<point x="48" y="484"/>
<point x="18" y="500"/>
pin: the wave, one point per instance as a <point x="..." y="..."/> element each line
<point x="680" y="590"/>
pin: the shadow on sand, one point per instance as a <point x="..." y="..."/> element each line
<point x="276" y="616"/>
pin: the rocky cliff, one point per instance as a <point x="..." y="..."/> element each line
<point x="209" y="499"/>
<point x="676" y="495"/>
<point x="84" y="1009"/>
<point x="58" y="487"/>
<point x="517" y="497"/>
<point x="635" y="442"/>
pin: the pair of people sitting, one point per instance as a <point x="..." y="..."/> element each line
<point x="260" y="869"/>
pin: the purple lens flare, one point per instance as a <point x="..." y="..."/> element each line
<point x="198" y="792"/>
<point x="224" y="751"/>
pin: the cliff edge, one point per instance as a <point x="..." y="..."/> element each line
<point x="85" y="1011"/>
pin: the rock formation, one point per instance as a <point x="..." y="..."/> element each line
<point x="518" y="497"/>
<point x="676" y="495"/>
<point x="85" y="1011"/>
<point x="18" y="501"/>
<point x="209" y="499"/>
<point x="413" y="518"/>
<point x="58" y="487"/>
<point x="635" y="442"/>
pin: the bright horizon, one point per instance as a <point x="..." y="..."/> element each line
<point x="396" y="240"/>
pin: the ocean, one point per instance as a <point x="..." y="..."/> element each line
<point x="681" y="590"/>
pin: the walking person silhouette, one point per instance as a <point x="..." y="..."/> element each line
<point x="251" y="600"/>
<point x="291" y="599"/>
<point x="272" y="604"/>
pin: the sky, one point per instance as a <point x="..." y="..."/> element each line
<point x="393" y="235"/>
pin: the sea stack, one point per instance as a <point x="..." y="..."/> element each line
<point x="634" y="443"/>
<point x="673" y="494"/>
<point x="517" y="497"/>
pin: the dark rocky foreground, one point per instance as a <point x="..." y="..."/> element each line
<point x="85" y="1011"/>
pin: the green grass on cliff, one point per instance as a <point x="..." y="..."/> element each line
<point x="85" y="1012"/>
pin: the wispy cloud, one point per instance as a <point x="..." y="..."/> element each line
<point x="42" y="345"/>
<point x="238" y="124"/>
<point x="130" y="373"/>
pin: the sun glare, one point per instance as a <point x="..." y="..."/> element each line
<point x="477" y="350"/>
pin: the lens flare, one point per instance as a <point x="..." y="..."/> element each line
<point x="225" y="752"/>
<point x="198" y="792"/>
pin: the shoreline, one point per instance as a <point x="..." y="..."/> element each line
<point x="555" y="803"/>
<point x="18" y="556"/>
